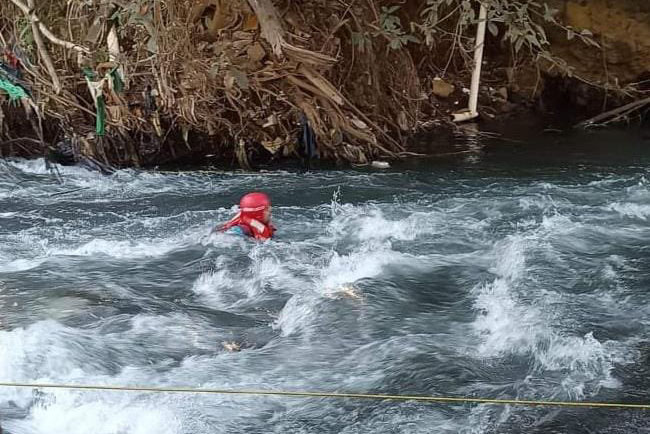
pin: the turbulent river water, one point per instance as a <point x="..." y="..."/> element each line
<point x="505" y="272"/>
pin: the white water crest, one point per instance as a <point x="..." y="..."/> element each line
<point x="440" y="282"/>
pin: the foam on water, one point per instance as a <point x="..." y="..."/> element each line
<point x="121" y="249"/>
<point x="515" y="318"/>
<point x="47" y="351"/>
<point x="448" y="286"/>
<point x="17" y="265"/>
<point x="126" y="184"/>
<point x="640" y="211"/>
<point x="337" y="273"/>
<point x="214" y="287"/>
<point x="70" y="413"/>
<point x="504" y="323"/>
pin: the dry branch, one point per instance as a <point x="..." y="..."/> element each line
<point x="42" y="50"/>
<point x="29" y="11"/>
<point x="614" y="114"/>
<point x="269" y="20"/>
<point x="224" y="81"/>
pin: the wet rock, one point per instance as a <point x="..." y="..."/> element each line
<point x="380" y="165"/>
<point x="62" y="153"/>
<point x="503" y="92"/>
<point x="507" y="107"/>
<point x="441" y="88"/>
<point x="622" y="27"/>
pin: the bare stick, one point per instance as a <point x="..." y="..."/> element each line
<point x="629" y="108"/>
<point x="42" y="50"/>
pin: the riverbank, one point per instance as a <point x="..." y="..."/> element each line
<point x="259" y="81"/>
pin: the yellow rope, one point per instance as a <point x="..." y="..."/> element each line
<point x="435" y="399"/>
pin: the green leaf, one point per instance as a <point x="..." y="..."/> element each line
<point x="548" y="14"/>
<point x="518" y="44"/>
<point x="542" y="33"/>
<point x="241" y="78"/>
<point x="214" y="71"/>
<point x="414" y="39"/>
<point x="152" y="45"/>
<point x="493" y="29"/>
<point x="116" y="15"/>
<point x="532" y="40"/>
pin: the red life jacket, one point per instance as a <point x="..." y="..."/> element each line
<point x="251" y="227"/>
<point x="251" y="217"/>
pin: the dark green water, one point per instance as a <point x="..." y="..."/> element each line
<point x="506" y="271"/>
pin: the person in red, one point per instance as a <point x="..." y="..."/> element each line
<point x="253" y="219"/>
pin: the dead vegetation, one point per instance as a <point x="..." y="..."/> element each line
<point x="135" y="82"/>
<point x="236" y="73"/>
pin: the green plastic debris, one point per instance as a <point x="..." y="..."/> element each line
<point x="15" y="92"/>
<point x="100" y="126"/>
<point x="118" y="83"/>
<point x="89" y="73"/>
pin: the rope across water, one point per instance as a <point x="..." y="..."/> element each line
<point x="332" y="395"/>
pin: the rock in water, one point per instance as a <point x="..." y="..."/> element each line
<point x="503" y="92"/>
<point x="381" y="165"/>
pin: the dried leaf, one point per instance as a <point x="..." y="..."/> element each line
<point x="229" y="82"/>
<point x="307" y="56"/>
<point x="271" y="121"/>
<point x="214" y="71"/>
<point x="273" y="145"/>
<point x="235" y="76"/>
<point x="256" y="53"/>
<point x="241" y="78"/>
<point x="322" y="84"/>
<point x="152" y="45"/>
<point x="250" y="22"/>
<point x="95" y="30"/>
<point x="441" y="88"/>
<point x="359" y="123"/>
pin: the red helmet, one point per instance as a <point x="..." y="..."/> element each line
<point x="253" y="205"/>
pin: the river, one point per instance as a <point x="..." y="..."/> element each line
<point x="504" y="271"/>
